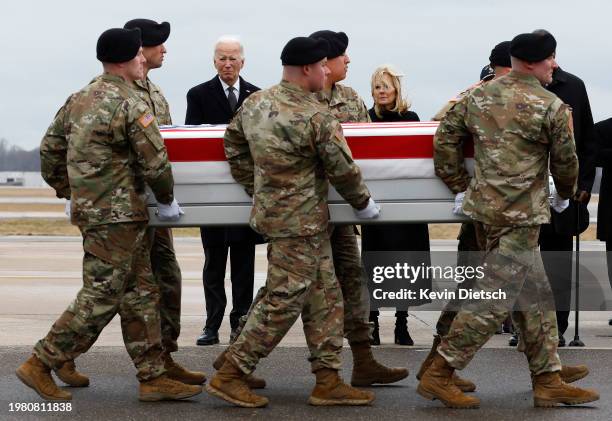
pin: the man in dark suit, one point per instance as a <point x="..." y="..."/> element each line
<point x="556" y="238"/>
<point x="215" y="102"/>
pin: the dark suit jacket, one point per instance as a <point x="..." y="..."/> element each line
<point x="572" y="91"/>
<point x="603" y="131"/>
<point x="207" y="104"/>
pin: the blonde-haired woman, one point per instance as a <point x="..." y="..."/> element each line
<point x="389" y="102"/>
<point x="391" y="105"/>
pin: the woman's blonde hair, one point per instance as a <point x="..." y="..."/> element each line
<point x="401" y="104"/>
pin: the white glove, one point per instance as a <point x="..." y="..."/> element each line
<point x="552" y="190"/>
<point x="558" y="203"/>
<point x="67" y="208"/>
<point x="171" y="212"/>
<point x="458" y="207"/>
<point x="369" y="212"/>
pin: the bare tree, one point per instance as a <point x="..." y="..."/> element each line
<point x="14" y="158"/>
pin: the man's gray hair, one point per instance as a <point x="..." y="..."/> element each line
<point x="233" y="39"/>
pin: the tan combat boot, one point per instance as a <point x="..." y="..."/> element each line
<point x="69" y="375"/>
<point x="229" y="384"/>
<point x="367" y="371"/>
<point x="252" y="380"/>
<point x="35" y="374"/>
<point x="163" y="388"/>
<point x="571" y="374"/>
<point x="437" y="383"/>
<point x="177" y="372"/>
<point x="549" y="390"/>
<point x="331" y="390"/>
<point x="464" y="384"/>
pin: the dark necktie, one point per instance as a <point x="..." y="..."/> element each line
<point x="231" y="98"/>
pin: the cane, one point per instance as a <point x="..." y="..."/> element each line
<point x="577" y="341"/>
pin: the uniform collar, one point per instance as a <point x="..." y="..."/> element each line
<point x="524" y="77"/>
<point x="146" y="84"/>
<point x="295" y="88"/>
<point x="116" y="79"/>
<point x="333" y="98"/>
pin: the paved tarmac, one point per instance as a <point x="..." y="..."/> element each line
<point x="501" y="376"/>
<point x="39" y="276"/>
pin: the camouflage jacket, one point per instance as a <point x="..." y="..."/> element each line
<point x="345" y="104"/>
<point x="99" y="151"/>
<point x="153" y="96"/>
<point x="283" y="147"/>
<point x="517" y="126"/>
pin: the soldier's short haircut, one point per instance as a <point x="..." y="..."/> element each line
<point x="234" y="39"/>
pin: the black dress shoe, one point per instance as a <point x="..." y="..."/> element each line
<point x="561" y="341"/>
<point x="402" y="336"/>
<point x="375" y="340"/>
<point x="610" y="322"/>
<point x="513" y="340"/>
<point x="208" y="337"/>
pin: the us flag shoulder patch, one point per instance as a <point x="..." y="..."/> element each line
<point x="146" y="120"/>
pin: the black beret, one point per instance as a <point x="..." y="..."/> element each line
<point x="533" y="47"/>
<point x="153" y="33"/>
<point x="487" y="73"/>
<point x="118" y="45"/>
<point x="338" y="41"/>
<point x="304" y="50"/>
<point x="500" y="55"/>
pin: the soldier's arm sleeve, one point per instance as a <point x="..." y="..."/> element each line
<point x="563" y="159"/>
<point x="364" y="115"/>
<point x="53" y="156"/>
<point x="151" y="154"/>
<point x="341" y="170"/>
<point x="448" y="148"/>
<point x="587" y="149"/>
<point x="238" y="154"/>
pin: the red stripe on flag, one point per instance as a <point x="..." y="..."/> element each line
<point x="193" y="150"/>
<point x="362" y="147"/>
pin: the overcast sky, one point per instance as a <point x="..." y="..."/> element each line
<point x="48" y="48"/>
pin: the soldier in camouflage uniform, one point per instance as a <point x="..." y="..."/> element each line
<point x="100" y="150"/>
<point x="517" y="127"/>
<point x="285" y="148"/>
<point x="346" y="105"/>
<point x="159" y="240"/>
<point x="472" y="243"/>
<point x="468" y="248"/>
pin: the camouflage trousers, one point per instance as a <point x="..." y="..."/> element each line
<point x="353" y="281"/>
<point x="470" y="244"/>
<point x="514" y="265"/>
<point x="168" y="276"/>
<point x="300" y="280"/>
<point x="117" y="278"/>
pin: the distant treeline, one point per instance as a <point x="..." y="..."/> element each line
<point x="13" y="158"/>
